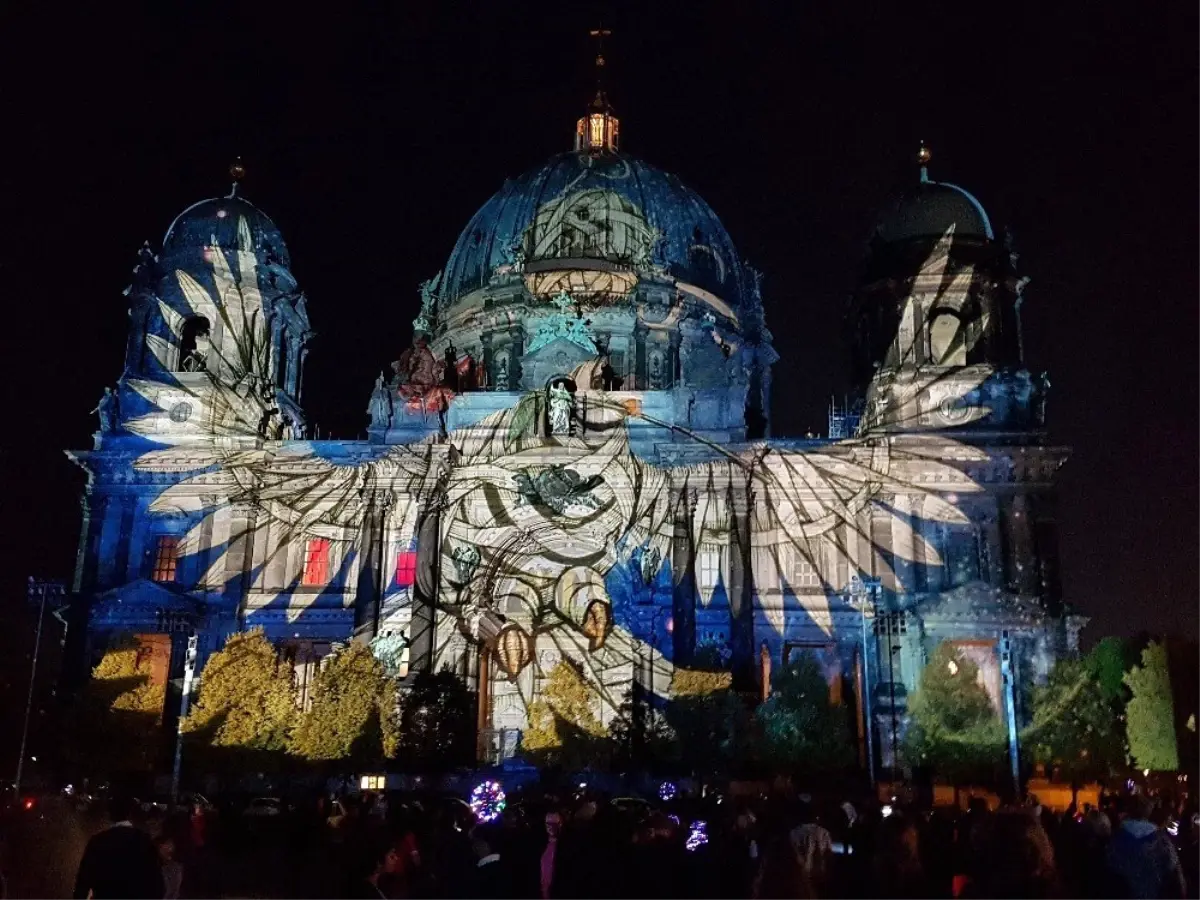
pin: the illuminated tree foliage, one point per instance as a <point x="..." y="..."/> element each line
<point x="353" y="710"/>
<point x="1107" y="664"/>
<point x="710" y="720"/>
<point x="437" y="723"/>
<point x="1074" y="728"/>
<point x="1150" y="715"/>
<point x="953" y="728"/>
<point x="246" y="700"/>
<point x="640" y="735"/>
<point x="800" y="726"/>
<point x="564" y="729"/>
<point x="118" y="726"/>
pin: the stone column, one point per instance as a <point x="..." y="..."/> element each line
<point x="683" y="568"/>
<point x="1020" y="565"/>
<point x="239" y="558"/>
<point x="741" y="582"/>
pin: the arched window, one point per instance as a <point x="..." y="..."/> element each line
<point x="284" y="359"/>
<point x="947" y="345"/>
<point x="194" y="345"/>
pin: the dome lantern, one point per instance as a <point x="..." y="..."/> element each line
<point x="597" y="132"/>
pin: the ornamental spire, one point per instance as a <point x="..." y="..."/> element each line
<point x="597" y="131"/>
<point x="923" y="158"/>
<point x="237" y="172"/>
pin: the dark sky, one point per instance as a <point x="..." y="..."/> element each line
<point x="371" y="136"/>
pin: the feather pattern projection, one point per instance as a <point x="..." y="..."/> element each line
<point x="534" y="524"/>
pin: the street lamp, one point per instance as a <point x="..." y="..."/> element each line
<point x="860" y="594"/>
<point x="41" y="588"/>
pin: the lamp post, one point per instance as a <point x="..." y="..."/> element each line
<point x="861" y="595"/>
<point x="41" y="588"/>
<point x="189" y="669"/>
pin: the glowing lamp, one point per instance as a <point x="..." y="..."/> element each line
<point x="667" y="791"/>
<point x="487" y="801"/>
<point x="597" y="131"/>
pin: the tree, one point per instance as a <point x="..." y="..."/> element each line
<point x="437" y="723"/>
<point x="710" y="719"/>
<point x="640" y="736"/>
<point x="1106" y="663"/>
<point x="953" y="728"/>
<point x="1074" y="726"/>
<point x="1150" y="714"/>
<point x="117" y="730"/>
<point x="246" y="701"/>
<point x="800" y="727"/>
<point x="353" y="702"/>
<point x="564" y="729"/>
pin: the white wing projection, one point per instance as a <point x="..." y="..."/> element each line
<point x="533" y="525"/>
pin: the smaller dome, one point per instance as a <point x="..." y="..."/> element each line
<point x="929" y="210"/>
<point x="201" y="223"/>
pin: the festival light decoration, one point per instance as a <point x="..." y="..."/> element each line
<point x="488" y="801"/>
<point x="697" y="835"/>
<point x="667" y="791"/>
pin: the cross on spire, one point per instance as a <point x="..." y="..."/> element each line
<point x="600" y="34"/>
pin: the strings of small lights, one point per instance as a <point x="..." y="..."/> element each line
<point x="487" y="801"/>
<point x="667" y="791"/>
<point x="697" y="835"/>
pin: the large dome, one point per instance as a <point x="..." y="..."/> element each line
<point x="605" y="211"/>
<point x="929" y="210"/>
<point x="218" y="218"/>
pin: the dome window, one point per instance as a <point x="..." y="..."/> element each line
<point x="194" y="345"/>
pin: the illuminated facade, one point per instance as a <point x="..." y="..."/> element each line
<point x="574" y="459"/>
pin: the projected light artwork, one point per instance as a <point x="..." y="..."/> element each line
<point x="570" y="462"/>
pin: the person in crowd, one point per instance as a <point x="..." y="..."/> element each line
<point x="378" y="860"/>
<point x="1142" y="856"/>
<point x="172" y="870"/>
<point x="493" y="877"/>
<point x="554" y="825"/>
<point x="813" y="845"/>
<point x="782" y="876"/>
<point x="120" y="861"/>
<point x="1015" y="859"/>
<point x="896" y="869"/>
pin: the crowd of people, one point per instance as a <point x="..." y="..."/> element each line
<point x="587" y="845"/>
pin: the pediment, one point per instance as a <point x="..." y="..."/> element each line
<point x="145" y="603"/>
<point x="559" y="357"/>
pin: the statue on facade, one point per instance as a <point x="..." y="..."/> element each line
<point x="502" y="374"/>
<point x="514" y="258"/>
<point x="561" y="404"/>
<point x="380" y="408"/>
<point x="609" y="379"/>
<point x="389" y="648"/>
<point x="450" y="367"/>
<point x="108" y="410"/>
<point x="650" y="563"/>
<point x="466" y="560"/>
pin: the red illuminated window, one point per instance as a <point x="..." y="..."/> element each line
<point x="166" y="555"/>
<point x="316" y="562"/>
<point x="406" y="568"/>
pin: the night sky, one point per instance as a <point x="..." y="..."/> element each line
<point x="371" y="136"/>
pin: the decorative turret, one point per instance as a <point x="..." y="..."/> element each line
<point x="218" y="328"/>
<point x="597" y="132"/>
<point x="939" y="300"/>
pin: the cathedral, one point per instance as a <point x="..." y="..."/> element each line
<point x="575" y="460"/>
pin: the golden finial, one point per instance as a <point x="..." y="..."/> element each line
<point x="237" y="172"/>
<point x="923" y="157"/>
